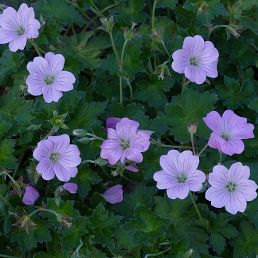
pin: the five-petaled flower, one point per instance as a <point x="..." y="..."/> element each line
<point x="197" y="59"/>
<point x="179" y="174"/>
<point x="228" y="131"/>
<point x="57" y="157"/>
<point x="231" y="188"/>
<point x="48" y="78"/>
<point x="125" y="143"/>
<point x="18" y="26"/>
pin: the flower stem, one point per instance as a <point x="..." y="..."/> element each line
<point x="214" y="28"/>
<point x="203" y="149"/>
<point x="184" y="84"/>
<point x="130" y="88"/>
<point x="196" y="208"/>
<point x="153" y="16"/>
<point x="114" y="47"/>
<point x="7" y="256"/>
<point x="121" y="90"/>
<point x="220" y="157"/>
<point x="192" y="142"/>
<point x="158" y="253"/>
<point x="159" y="144"/>
<point x="43" y="209"/>
<point x="165" y="48"/>
<point x="37" y="48"/>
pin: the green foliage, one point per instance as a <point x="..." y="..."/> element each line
<point x="136" y="65"/>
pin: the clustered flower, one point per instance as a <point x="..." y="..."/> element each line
<point x="57" y="157"/>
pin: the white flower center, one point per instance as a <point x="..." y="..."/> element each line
<point x="125" y="144"/>
<point x="193" y="61"/>
<point x="54" y="156"/>
<point x="49" y="79"/>
<point x="181" y="178"/>
<point x="225" y="136"/>
<point x="20" y="30"/>
<point x="231" y="186"/>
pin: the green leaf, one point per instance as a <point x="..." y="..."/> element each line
<point x="188" y="108"/>
<point x="154" y="92"/>
<point x="7" y="158"/>
<point x="65" y="13"/>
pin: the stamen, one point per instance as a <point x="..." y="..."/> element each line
<point x="49" y="79"/>
<point x="124" y="144"/>
<point x="231" y="186"/>
<point x="20" y="30"/>
<point x="181" y="178"/>
<point x="193" y="61"/>
<point x="54" y="156"/>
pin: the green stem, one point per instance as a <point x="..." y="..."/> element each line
<point x="214" y="28"/>
<point x="192" y="142"/>
<point x="169" y="146"/>
<point x="37" y="48"/>
<point x="203" y="149"/>
<point x="184" y="84"/>
<point x="220" y="157"/>
<point x="153" y="16"/>
<point x="114" y="47"/>
<point x="43" y="209"/>
<point x="157" y="254"/>
<point x="165" y="48"/>
<point x="121" y="90"/>
<point x="7" y="256"/>
<point x="130" y="88"/>
<point x="123" y="54"/>
<point x="196" y="208"/>
<point x="12" y="179"/>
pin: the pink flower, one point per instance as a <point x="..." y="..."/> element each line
<point x="48" y="78"/>
<point x="17" y="27"/>
<point x="197" y="60"/>
<point x="231" y="188"/>
<point x="180" y="174"/>
<point x="132" y="168"/>
<point x="228" y="131"/>
<point x="114" y="194"/>
<point x="71" y="187"/>
<point x="57" y="157"/>
<point x="112" y="121"/>
<point x="30" y="196"/>
<point x="126" y="142"/>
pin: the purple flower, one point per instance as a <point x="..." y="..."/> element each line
<point x="71" y="187"/>
<point x="228" y="131"/>
<point x="132" y="168"/>
<point x="30" y="196"/>
<point x="17" y="27"/>
<point x="57" y="157"/>
<point x="114" y="194"/>
<point x="112" y="121"/>
<point x="179" y="174"/>
<point x="125" y="142"/>
<point x="197" y="59"/>
<point x="231" y="188"/>
<point x="48" y="78"/>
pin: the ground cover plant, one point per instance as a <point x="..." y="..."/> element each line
<point x="128" y="128"/>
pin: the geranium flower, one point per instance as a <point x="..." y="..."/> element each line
<point x="17" y="27"/>
<point x="57" y="157"/>
<point x="179" y="174"/>
<point x="71" y="187"/>
<point x="228" y="131"/>
<point x="126" y="142"/>
<point x="30" y="196"/>
<point x="114" y="194"/>
<point x="48" y="78"/>
<point x="197" y="59"/>
<point x="231" y="188"/>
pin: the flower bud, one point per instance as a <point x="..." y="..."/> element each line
<point x="192" y="128"/>
<point x="107" y="23"/>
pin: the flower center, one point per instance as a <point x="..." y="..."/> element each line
<point x="193" y="61"/>
<point x="124" y="144"/>
<point x="49" y="79"/>
<point x="54" y="156"/>
<point x="225" y="136"/>
<point x="20" y="30"/>
<point x="181" y="178"/>
<point x="231" y="186"/>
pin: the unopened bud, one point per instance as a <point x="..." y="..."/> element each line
<point x="107" y="23"/>
<point x="192" y="128"/>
